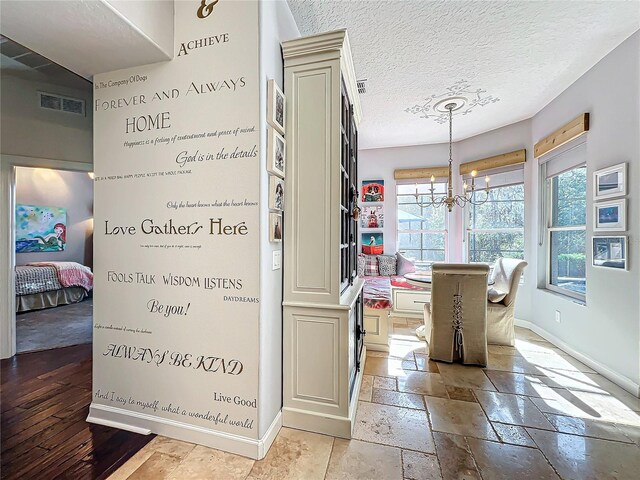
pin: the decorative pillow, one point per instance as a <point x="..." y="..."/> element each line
<point x="404" y="265"/>
<point x="361" y="262"/>
<point x="387" y="265"/>
<point x="371" y="266"/>
<point x="495" y="296"/>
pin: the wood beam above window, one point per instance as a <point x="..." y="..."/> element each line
<point x="420" y="173"/>
<point x="566" y="133"/>
<point x="497" y="161"/>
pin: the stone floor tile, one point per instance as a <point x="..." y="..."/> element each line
<point x="204" y="463"/>
<point x="459" y="393"/>
<point x="465" y="376"/>
<point x="520" y="383"/>
<point x="366" y="388"/>
<point x="528" y="335"/>
<point x="512" y="409"/>
<point x="586" y="458"/>
<point x="456" y="462"/>
<point x="295" y="454"/>
<point x="157" y="467"/>
<point x="588" y="428"/>
<point x="631" y="432"/>
<point x="593" y="406"/>
<point x="512" y="363"/>
<point x="388" y="367"/>
<point x="354" y="460"/>
<point x="386" y="383"/>
<point x="132" y="464"/>
<point x="423" y="383"/>
<point x="459" y="417"/>
<point x="398" y="399"/>
<point x="404" y="349"/>
<point x="170" y="446"/>
<point x="499" y="461"/>
<point x="420" y="466"/>
<point x="513" y="434"/>
<point x="394" y="426"/>
<point x="425" y="364"/>
<point x="589" y="382"/>
<point x="556" y="362"/>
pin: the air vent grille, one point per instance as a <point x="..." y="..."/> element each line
<point x="52" y="101"/>
<point x="362" y="86"/>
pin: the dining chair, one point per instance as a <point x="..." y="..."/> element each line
<point x="456" y="318"/>
<point x="502" y="301"/>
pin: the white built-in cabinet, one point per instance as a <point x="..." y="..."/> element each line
<point x="323" y="348"/>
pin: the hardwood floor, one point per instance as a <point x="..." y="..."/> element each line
<point x="45" y="399"/>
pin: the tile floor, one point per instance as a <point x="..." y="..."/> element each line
<point x="535" y="413"/>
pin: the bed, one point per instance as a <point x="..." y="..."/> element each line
<point x="49" y="284"/>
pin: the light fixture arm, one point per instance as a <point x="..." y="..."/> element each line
<point x="450" y="200"/>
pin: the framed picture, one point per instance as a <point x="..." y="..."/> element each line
<point x="610" y="182"/>
<point x="40" y="229"/>
<point x="275" y="107"/>
<point x="372" y="243"/>
<point x="275" y="153"/>
<point x="372" y="216"/>
<point x="372" y="191"/>
<point x="610" y="252"/>
<point x="276" y="193"/>
<point x="610" y="216"/>
<point x="275" y="227"/>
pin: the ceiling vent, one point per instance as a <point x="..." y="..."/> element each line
<point x="52" y="101"/>
<point x="362" y="86"/>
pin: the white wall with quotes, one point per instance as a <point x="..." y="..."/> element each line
<point x="177" y="212"/>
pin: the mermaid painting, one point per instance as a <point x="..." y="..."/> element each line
<point x="40" y="229"/>
<point x="55" y="240"/>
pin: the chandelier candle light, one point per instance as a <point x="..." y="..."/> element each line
<point x="450" y="200"/>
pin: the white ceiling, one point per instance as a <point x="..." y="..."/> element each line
<point x="92" y="36"/>
<point x="21" y="62"/>
<point x="520" y="54"/>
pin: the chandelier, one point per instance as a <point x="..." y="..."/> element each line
<point x="469" y="194"/>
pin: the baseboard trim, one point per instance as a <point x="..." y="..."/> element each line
<point x="620" y="380"/>
<point x="147" y="424"/>
<point x="317" y="422"/>
<point x="264" y="444"/>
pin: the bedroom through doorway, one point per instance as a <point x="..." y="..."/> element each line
<point x="54" y="258"/>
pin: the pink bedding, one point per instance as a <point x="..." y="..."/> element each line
<point x="377" y="291"/>
<point x="70" y="274"/>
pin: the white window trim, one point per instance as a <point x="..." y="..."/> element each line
<point x="468" y="229"/>
<point x="548" y="216"/>
<point x="445" y="231"/>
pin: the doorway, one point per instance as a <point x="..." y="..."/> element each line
<point x="54" y="258"/>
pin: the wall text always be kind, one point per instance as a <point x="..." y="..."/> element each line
<point x="207" y="363"/>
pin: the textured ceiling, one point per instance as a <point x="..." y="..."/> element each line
<point x="516" y="55"/>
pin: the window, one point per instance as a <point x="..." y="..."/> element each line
<point x="422" y="231"/>
<point x="496" y="228"/>
<point x="566" y="227"/>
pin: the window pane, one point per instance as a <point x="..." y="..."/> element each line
<point x="409" y="240"/>
<point x="424" y="256"/>
<point x="410" y="189"/>
<point x="503" y="209"/>
<point x="569" y="198"/>
<point x="568" y="260"/>
<point x="413" y="217"/>
<point x="419" y="245"/>
<point x="486" y="247"/>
